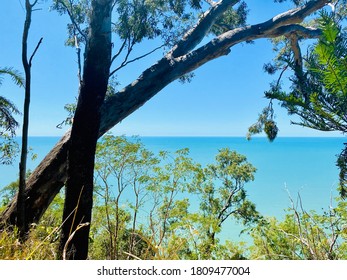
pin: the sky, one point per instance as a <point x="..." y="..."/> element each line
<point x="224" y="98"/>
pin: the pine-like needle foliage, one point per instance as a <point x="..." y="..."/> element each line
<point x="318" y="93"/>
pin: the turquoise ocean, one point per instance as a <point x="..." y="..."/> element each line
<point x="286" y="166"/>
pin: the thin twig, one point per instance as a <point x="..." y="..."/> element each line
<point x="133" y="256"/>
<point x="70" y="13"/>
<point x="125" y="63"/>
<point x="119" y="51"/>
<point x="75" y="211"/>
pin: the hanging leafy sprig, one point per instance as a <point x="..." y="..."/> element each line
<point x="264" y="123"/>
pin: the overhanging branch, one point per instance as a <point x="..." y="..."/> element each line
<point x="169" y="68"/>
<point x="195" y="35"/>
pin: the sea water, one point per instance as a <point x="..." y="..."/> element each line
<point x="285" y="168"/>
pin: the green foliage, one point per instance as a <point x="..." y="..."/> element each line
<point x="264" y="123"/>
<point x="168" y="186"/>
<point x="318" y="95"/>
<point x="8" y="148"/>
<point x="70" y="108"/>
<point x="7" y="121"/>
<point x="8" y="192"/>
<point x="15" y="75"/>
<point x="220" y="190"/>
<point x="136" y="19"/>
<point x="165" y="206"/>
<point x="41" y="242"/>
<point x="34" y="249"/>
<point x="318" y="92"/>
<point x="78" y="11"/>
<point x="342" y="165"/>
<point x="232" y="171"/>
<point x="142" y="202"/>
<point x="8" y="124"/>
<point x="121" y="167"/>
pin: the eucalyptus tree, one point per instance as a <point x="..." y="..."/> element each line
<point x="220" y="188"/>
<point x="122" y="170"/>
<point x="84" y="133"/>
<point x="224" y="20"/>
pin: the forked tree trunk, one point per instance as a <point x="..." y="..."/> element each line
<point x="22" y="224"/>
<point x="84" y="134"/>
<point x="21" y="218"/>
<point x="49" y="177"/>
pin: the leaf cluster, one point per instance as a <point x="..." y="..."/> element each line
<point x="15" y="75"/>
<point x="8" y="124"/>
<point x="78" y="12"/>
<point x="232" y="171"/>
<point x="136" y="20"/>
<point x="264" y="123"/>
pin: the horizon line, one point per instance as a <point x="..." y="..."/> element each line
<point x="204" y="136"/>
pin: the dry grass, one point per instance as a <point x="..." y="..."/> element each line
<point x="37" y="246"/>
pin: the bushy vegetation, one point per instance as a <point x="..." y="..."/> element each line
<point x="41" y="242"/>
<point x="166" y="206"/>
<point x="303" y="235"/>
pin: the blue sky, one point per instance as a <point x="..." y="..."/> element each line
<point x="223" y="99"/>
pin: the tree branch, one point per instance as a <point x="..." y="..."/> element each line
<point x="119" y="51"/>
<point x="195" y="35"/>
<point x="33" y="4"/>
<point x="37" y="47"/>
<point x="168" y="69"/>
